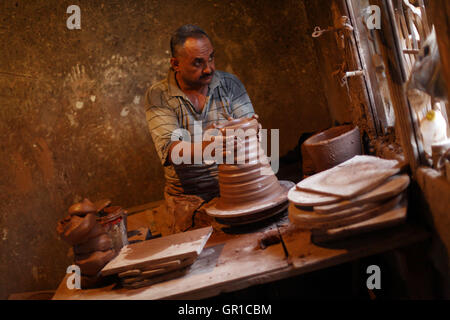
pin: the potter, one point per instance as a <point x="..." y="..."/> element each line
<point x="194" y="92"/>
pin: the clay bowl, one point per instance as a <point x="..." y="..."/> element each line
<point x="333" y="146"/>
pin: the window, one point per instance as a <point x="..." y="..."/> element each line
<point x="417" y="42"/>
<point x="393" y="77"/>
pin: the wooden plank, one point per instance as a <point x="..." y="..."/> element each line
<point x="352" y="177"/>
<point x="239" y="263"/>
<point x="361" y="97"/>
<point x="143" y="207"/>
<point x="329" y="56"/>
<point x="146" y="219"/>
<point x="363" y="37"/>
<point x="34" y="295"/>
<point x="221" y="267"/>
<point x="144" y="254"/>
<point x="306" y="256"/>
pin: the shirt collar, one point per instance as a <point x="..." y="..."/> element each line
<point x="174" y="90"/>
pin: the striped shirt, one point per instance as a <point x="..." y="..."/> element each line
<point x="168" y="109"/>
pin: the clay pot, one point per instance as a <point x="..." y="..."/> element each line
<point x="96" y="231"/>
<point x="82" y="208"/>
<point x="75" y="229"/>
<point x="100" y="243"/>
<point x="247" y="184"/>
<point x="100" y="205"/>
<point x="91" y="264"/>
<point x="333" y="146"/>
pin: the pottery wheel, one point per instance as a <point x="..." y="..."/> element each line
<point x="253" y="209"/>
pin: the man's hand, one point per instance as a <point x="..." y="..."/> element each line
<point x="220" y="148"/>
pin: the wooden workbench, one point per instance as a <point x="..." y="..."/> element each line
<point x="236" y="261"/>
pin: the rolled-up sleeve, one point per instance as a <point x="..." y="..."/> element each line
<point x="162" y="122"/>
<point x="240" y="105"/>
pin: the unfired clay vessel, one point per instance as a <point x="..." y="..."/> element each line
<point x="248" y="185"/>
<point x="87" y="228"/>
<point x="244" y="183"/>
<point x="333" y="146"/>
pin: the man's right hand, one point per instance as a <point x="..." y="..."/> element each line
<point x="213" y="149"/>
<point x="220" y="146"/>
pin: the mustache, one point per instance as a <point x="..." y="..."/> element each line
<point x="207" y="75"/>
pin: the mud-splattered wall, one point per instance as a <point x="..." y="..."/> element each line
<point x="72" y="122"/>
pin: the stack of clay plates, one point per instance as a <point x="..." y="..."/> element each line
<point x="362" y="194"/>
<point x="152" y="261"/>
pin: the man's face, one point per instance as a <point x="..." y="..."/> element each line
<point x="195" y="62"/>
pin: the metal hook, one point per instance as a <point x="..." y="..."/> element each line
<point x="317" y="32"/>
<point x="349" y="74"/>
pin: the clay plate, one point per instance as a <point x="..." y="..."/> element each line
<point x="362" y="216"/>
<point x="392" y="187"/>
<point x="352" y="177"/>
<point x="256" y="217"/>
<point x="309" y="199"/>
<point x="246" y="209"/>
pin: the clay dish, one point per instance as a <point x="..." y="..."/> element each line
<point x="392" y="187"/>
<point x="311" y="216"/>
<point x="333" y="146"/>
<point x="256" y="217"/>
<point x="250" y="207"/>
<point x="308" y="199"/>
<point x="295" y="216"/>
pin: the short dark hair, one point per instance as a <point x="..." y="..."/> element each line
<point x="182" y="33"/>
